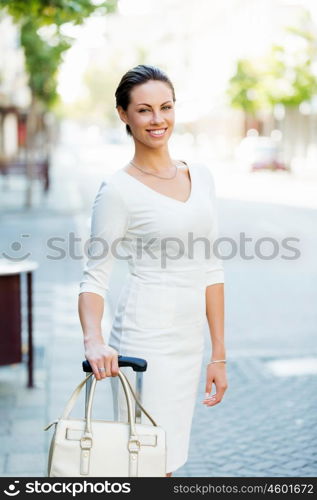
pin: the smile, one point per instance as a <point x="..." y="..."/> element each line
<point x="157" y="133"/>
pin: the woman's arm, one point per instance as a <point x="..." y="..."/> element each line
<point x="108" y="226"/>
<point x="90" y="309"/>
<point x="215" y="372"/>
<point x="215" y="309"/>
<point x="97" y="352"/>
<point x="215" y="317"/>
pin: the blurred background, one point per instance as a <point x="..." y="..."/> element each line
<point x="245" y="77"/>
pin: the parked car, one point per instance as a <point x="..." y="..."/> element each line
<point x="261" y="153"/>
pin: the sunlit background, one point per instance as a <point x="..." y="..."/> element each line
<point x="244" y="72"/>
<point x="241" y="69"/>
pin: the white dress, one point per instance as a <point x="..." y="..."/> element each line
<point x="161" y="311"/>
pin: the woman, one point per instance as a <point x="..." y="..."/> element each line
<point x="160" y="211"/>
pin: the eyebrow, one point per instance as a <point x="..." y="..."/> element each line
<point x="145" y="104"/>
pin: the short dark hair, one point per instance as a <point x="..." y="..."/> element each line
<point x="136" y="76"/>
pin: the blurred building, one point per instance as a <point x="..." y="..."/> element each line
<point x="15" y="95"/>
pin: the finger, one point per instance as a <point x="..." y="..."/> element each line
<point x="216" y="398"/>
<point x="209" y="398"/>
<point x="212" y="401"/>
<point x="212" y="404"/>
<point x="108" y="367"/>
<point x="103" y="372"/>
<point x="101" y="368"/>
<point x="208" y="387"/>
<point x="95" y="370"/>
<point x="114" y="366"/>
<point x="220" y="390"/>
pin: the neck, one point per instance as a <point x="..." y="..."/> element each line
<point x="153" y="159"/>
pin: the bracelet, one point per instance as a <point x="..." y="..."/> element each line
<point x="217" y="361"/>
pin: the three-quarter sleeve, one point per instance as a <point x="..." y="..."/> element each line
<point x="214" y="266"/>
<point x="109" y="222"/>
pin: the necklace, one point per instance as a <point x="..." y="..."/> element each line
<point x="149" y="173"/>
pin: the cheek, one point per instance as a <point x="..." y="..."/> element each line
<point x="141" y="120"/>
<point x="171" y="118"/>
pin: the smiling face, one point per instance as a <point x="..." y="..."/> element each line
<point x="150" y="114"/>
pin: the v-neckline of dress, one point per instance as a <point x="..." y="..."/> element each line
<point x="173" y="200"/>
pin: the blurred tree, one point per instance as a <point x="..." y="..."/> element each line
<point x="246" y="92"/>
<point x="42" y="60"/>
<point x="43" y="55"/>
<point x="289" y="77"/>
<point x="286" y="76"/>
<point x="243" y="87"/>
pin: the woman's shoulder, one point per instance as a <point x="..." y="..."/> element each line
<point x="111" y="192"/>
<point x="203" y="170"/>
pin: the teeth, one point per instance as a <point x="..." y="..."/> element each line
<point x="157" y="132"/>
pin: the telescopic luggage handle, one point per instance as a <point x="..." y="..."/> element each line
<point x="137" y="364"/>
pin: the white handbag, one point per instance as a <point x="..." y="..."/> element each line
<point x="101" y="448"/>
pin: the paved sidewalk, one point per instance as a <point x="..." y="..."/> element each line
<point x="266" y="424"/>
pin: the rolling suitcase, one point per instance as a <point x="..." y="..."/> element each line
<point x="101" y="448"/>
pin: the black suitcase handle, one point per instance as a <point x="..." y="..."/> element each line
<point x="137" y="364"/>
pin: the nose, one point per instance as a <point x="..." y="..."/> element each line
<point x="157" y="118"/>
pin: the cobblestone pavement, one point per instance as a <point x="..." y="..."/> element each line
<point x="264" y="426"/>
<point x="266" y="422"/>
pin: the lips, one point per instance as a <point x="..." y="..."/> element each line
<point x="157" y="132"/>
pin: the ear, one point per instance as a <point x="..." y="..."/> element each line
<point x="122" y="114"/>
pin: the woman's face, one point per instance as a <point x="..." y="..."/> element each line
<point x="151" y="109"/>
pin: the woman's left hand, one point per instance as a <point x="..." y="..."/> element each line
<point x="216" y="373"/>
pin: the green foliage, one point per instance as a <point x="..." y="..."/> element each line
<point x="43" y="57"/>
<point x="245" y="90"/>
<point x="55" y="11"/>
<point x="42" y="61"/>
<point x="284" y="76"/>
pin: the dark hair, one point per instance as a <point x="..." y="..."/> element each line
<point x="136" y="76"/>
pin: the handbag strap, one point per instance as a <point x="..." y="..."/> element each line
<point x="74" y="396"/>
<point x="88" y="430"/>
<point x="138" y="403"/>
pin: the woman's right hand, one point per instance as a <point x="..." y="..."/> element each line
<point x="101" y="355"/>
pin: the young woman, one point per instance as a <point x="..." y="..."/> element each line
<point x="163" y="213"/>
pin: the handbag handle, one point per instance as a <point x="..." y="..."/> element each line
<point x="73" y="398"/>
<point x="138" y="402"/>
<point x="128" y="399"/>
